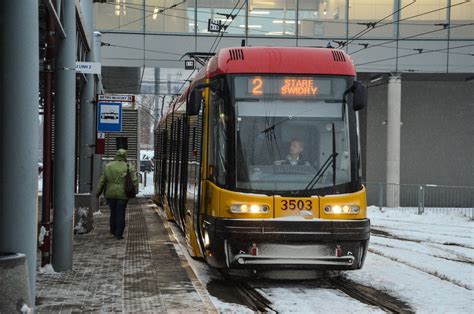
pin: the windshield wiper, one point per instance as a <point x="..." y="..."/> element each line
<point x="330" y="161"/>
<point x="322" y="171"/>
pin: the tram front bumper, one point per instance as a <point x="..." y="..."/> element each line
<point x="315" y="244"/>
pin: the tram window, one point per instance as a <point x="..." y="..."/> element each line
<point x="217" y="138"/>
<point x="264" y="140"/>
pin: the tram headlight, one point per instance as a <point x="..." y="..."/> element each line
<point x="206" y="239"/>
<point x="341" y="209"/>
<point x="249" y="209"/>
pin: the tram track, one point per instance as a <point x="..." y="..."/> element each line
<point x="432" y="273"/>
<point x="462" y="258"/>
<point x="388" y="235"/>
<point x="369" y="295"/>
<point x="459" y="258"/>
<point x="250" y="297"/>
<point x="248" y="293"/>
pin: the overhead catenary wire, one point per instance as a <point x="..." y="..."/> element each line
<point x="141" y="49"/>
<point x="369" y="46"/>
<point x="219" y="37"/>
<point x="426" y="49"/>
<point x="263" y="31"/>
<point x="413" y="54"/>
<point x="222" y="35"/>
<point x="411" y="36"/>
<point x="377" y="24"/>
<point x="225" y="26"/>
<point x="371" y="26"/>
<point x="366" y="45"/>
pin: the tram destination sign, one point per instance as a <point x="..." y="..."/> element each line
<point x="287" y="86"/>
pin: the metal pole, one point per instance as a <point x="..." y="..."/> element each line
<point x="47" y="142"/>
<point x="87" y="130"/>
<point x="19" y="122"/>
<point x="64" y="162"/>
<point x="96" y="159"/>
<point x="421" y="200"/>
<point x="393" y="139"/>
<point x="381" y="193"/>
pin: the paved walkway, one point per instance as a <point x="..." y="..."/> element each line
<point x="142" y="273"/>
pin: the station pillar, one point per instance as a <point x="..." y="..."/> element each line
<point x="87" y="134"/>
<point x="393" y="139"/>
<point x="65" y="127"/>
<point x="19" y="121"/>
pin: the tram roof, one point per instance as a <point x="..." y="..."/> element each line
<point x="287" y="60"/>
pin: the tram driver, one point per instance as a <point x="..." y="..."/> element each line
<point x="295" y="156"/>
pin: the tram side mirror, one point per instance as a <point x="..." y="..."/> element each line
<point x="193" y="104"/>
<point x="359" y="99"/>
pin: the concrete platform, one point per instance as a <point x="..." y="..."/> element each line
<point x="141" y="273"/>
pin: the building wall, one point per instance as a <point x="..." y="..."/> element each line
<point x="437" y="133"/>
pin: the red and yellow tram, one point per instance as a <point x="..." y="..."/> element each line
<point x="227" y="170"/>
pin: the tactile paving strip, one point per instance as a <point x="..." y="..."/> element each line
<point x="141" y="273"/>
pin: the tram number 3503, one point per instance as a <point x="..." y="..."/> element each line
<point x="296" y="204"/>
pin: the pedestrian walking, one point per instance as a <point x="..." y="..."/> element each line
<point x="112" y="184"/>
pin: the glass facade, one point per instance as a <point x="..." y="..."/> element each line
<point x="462" y="12"/>
<point x="322" y="18"/>
<point x="424" y="19"/>
<point x="343" y="19"/>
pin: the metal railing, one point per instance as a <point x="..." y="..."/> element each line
<point x="422" y="198"/>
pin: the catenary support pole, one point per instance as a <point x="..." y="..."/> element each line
<point x="393" y="139"/>
<point x="87" y="133"/>
<point x="19" y="85"/>
<point x="65" y="122"/>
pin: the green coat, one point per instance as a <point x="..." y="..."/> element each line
<point x="113" y="177"/>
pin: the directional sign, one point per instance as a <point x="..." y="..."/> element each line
<point x="88" y="67"/>
<point x="122" y="98"/>
<point x="214" y="26"/>
<point x="109" y="116"/>
<point x="189" y="64"/>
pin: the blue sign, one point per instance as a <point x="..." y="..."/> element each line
<point x="109" y="116"/>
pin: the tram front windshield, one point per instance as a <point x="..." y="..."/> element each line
<point x="288" y="129"/>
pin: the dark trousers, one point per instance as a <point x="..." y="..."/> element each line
<point x="117" y="215"/>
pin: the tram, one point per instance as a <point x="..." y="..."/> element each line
<point x="258" y="162"/>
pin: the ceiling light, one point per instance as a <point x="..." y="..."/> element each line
<point x="285" y="21"/>
<point x="259" y="12"/>
<point x="251" y="26"/>
<point x="264" y="2"/>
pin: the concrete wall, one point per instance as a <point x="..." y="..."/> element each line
<point x="437" y="133"/>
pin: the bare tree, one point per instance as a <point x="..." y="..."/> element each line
<point x="146" y="107"/>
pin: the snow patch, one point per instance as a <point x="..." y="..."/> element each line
<point x="47" y="270"/>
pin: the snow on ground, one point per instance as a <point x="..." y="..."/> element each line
<point x="430" y="263"/>
<point x="146" y="188"/>
<point x="424" y="260"/>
